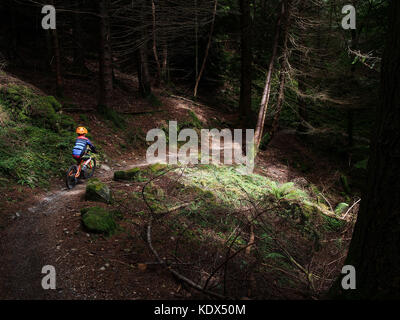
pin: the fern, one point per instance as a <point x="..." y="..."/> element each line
<point x="286" y="191"/>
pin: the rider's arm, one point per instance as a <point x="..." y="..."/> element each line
<point x="92" y="147"/>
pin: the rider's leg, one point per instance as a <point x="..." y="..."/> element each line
<point x="78" y="163"/>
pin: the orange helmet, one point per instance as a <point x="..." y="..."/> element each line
<point x="81" y="130"/>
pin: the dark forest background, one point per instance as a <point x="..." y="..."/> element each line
<point x="310" y="89"/>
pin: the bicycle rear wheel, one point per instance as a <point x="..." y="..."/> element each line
<point x="90" y="168"/>
<point x="71" y="180"/>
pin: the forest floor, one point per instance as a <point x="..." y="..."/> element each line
<point x="40" y="227"/>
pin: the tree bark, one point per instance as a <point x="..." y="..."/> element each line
<point x="301" y="101"/>
<point x="282" y="75"/>
<point x="267" y="89"/>
<point x="246" y="61"/>
<point x="302" y="79"/>
<point x="207" y="49"/>
<point x="57" y="61"/>
<point x="164" y="70"/>
<point x="78" y="52"/>
<point x="143" y="71"/>
<point x="196" y="38"/>
<point x="153" y="11"/>
<point x="142" y="56"/>
<point x="350" y="113"/>
<point x="375" y="247"/>
<point x="105" y="63"/>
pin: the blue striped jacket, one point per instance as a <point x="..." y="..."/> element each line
<point x="80" y="146"/>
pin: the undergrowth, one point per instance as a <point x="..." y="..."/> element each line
<point x="232" y="187"/>
<point x="36" y="139"/>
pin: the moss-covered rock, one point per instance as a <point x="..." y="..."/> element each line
<point x="139" y="173"/>
<point x="127" y="175"/>
<point x="98" y="220"/>
<point x="155" y="168"/>
<point x="23" y="105"/>
<point x="98" y="191"/>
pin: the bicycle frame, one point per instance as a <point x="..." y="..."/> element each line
<point x="83" y="163"/>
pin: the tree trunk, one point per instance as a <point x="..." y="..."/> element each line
<point x="267" y="89"/>
<point x="78" y="52"/>
<point x="302" y="79"/>
<point x="142" y="56"/>
<point x="57" y="61"/>
<point x="164" y="70"/>
<point x="246" y="61"/>
<point x="143" y="71"/>
<point x="153" y="11"/>
<point x="282" y="75"/>
<point x="302" y="101"/>
<point x="196" y="37"/>
<point x="350" y="113"/>
<point x="49" y="51"/>
<point x="207" y="49"/>
<point x="375" y="247"/>
<point x="105" y="67"/>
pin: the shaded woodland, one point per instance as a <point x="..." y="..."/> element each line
<point x="324" y="103"/>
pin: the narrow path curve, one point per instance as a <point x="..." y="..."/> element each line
<point x="28" y="243"/>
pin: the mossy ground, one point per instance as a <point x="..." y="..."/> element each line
<point x="99" y="220"/>
<point x="209" y="209"/>
<point x="35" y="138"/>
<point x="140" y="174"/>
<point x="234" y="188"/>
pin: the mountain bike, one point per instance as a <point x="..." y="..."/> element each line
<point x="84" y="170"/>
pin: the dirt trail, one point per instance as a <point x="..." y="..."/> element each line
<point x="29" y="243"/>
<point x="37" y="237"/>
<point x="49" y="233"/>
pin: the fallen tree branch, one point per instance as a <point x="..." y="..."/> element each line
<point x="174" y="272"/>
<point x="344" y="216"/>
<point x="326" y="200"/>
<point x="186" y="99"/>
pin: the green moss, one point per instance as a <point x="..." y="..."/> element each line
<point x="4" y="117"/>
<point x="32" y="156"/>
<point x="155" y="168"/>
<point x="127" y="175"/>
<point x="24" y="105"/>
<point x="98" y="220"/>
<point x="230" y="185"/>
<point x="340" y="208"/>
<point x="36" y="137"/>
<point x="139" y="174"/>
<point x="97" y="191"/>
<point x="332" y="224"/>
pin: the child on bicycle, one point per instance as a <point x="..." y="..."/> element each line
<point x="81" y="145"/>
